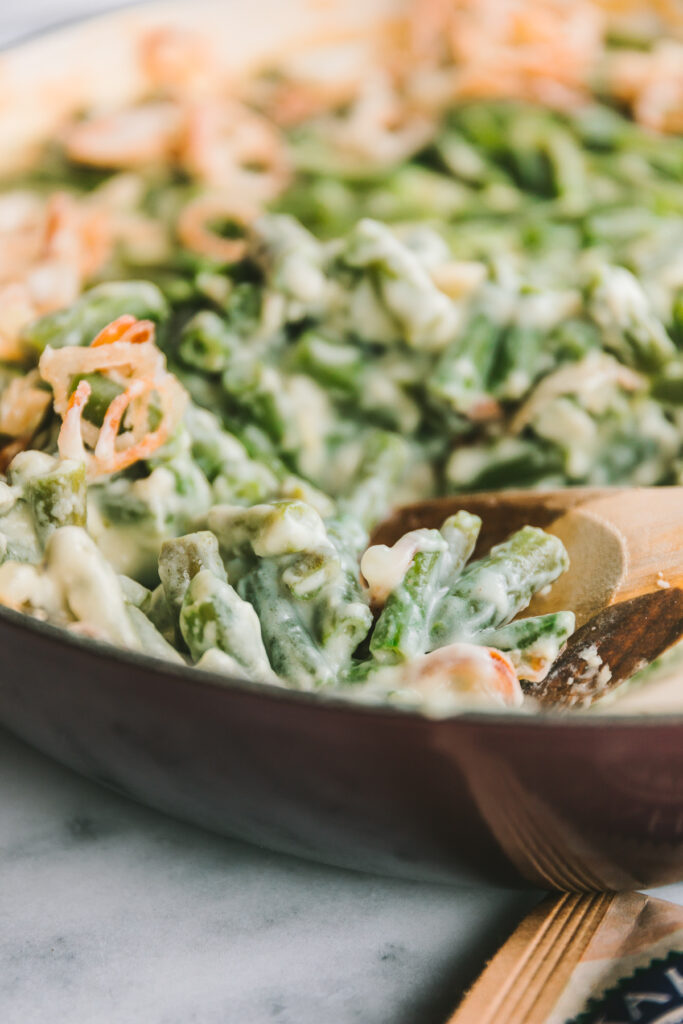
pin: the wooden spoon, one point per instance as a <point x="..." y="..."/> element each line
<point x="626" y="566"/>
<point x="613" y="645"/>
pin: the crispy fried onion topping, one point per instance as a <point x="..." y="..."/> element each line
<point x="652" y="83"/>
<point x="219" y="142"/>
<point x="22" y="406"/>
<point x="541" y="50"/>
<point x="138" y="420"/>
<point x="48" y="251"/>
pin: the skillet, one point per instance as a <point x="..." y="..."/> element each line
<point x="571" y="803"/>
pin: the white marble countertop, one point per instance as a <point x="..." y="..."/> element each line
<point x="114" y="914"/>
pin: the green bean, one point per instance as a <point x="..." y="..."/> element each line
<point x="244" y="465"/>
<point x="464" y="160"/>
<point x="342" y="617"/>
<point x="519" y="362"/>
<point x="30" y="513"/>
<point x="27" y="464"/>
<point x="600" y="128"/>
<point x="132" y="516"/>
<point x="278" y="528"/>
<point x="533" y="643"/>
<point x="292" y="652"/>
<point x="349" y="537"/>
<point x="545" y="158"/>
<point x="462" y="376"/>
<point x="485" y="125"/>
<point x="182" y="558"/>
<point x="493" y="590"/>
<point x="508" y="462"/>
<point x="402" y="630"/>
<point x="309" y="572"/>
<point x="572" y="339"/>
<point x="58" y="498"/>
<point x="213" y="615"/>
<point x="292" y="259"/>
<point x="103" y="391"/>
<point x="222" y="664"/>
<point x="90" y="586"/>
<point x="461" y="532"/>
<point x="80" y="322"/>
<point x="667" y="386"/>
<point x="236" y="478"/>
<point x="334" y="364"/>
<point x="384" y="462"/>
<point x="420" y="313"/>
<point x="295" y="488"/>
<point x="412" y="192"/>
<point x="150" y="639"/>
<point x="258" y="392"/>
<point x="677" y="318"/>
<point x="20" y="541"/>
<point x="342" y="622"/>
<point x="405" y="624"/>
<point x="569" y="169"/>
<point x="133" y="592"/>
<point x="244" y="482"/>
<point x="345" y="370"/>
<point x="212" y="447"/>
<point x="163" y="617"/>
<point x="513" y="135"/>
<point x="207" y="343"/>
<point x="8" y="498"/>
<point x="327" y="207"/>
<point x="630" y="328"/>
<point x="206" y="392"/>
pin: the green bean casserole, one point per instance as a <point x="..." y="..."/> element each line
<point x="242" y="321"/>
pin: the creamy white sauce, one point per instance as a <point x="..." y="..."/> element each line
<point x="28" y="588"/>
<point x="491" y="589"/>
<point x="8" y="496"/>
<point x="215" y="660"/>
<point x="384" y="567"/>
<point x="287" y="534"/>
<point x="27" y="465"/>
<point x="89" y="584"/>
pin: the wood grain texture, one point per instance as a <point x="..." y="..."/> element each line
<point x="525" y="979"/>
<point x="621" y="542"/>
<point x="610" y="648"/>
<point x="502" y="512"/>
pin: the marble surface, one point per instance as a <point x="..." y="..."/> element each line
<point x="114" y="914"/>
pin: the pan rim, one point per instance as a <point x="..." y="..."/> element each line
<point x="321" y="699"/>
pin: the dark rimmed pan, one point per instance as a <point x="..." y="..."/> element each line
<point x="571" y="803"/>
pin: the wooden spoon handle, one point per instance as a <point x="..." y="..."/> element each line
<point x="620" y="545"/>
<point x="650" y="521"/>
<point x="610" y="648"/>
